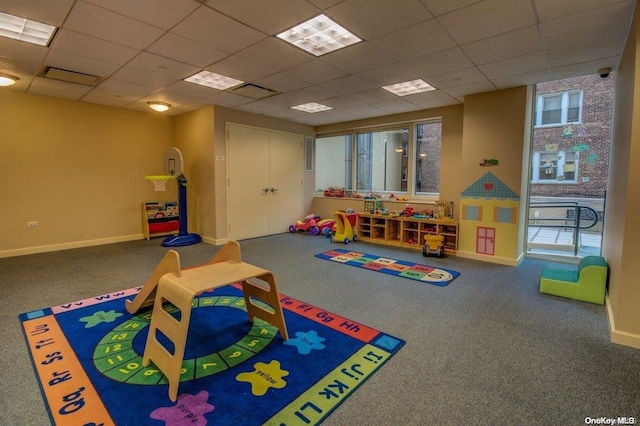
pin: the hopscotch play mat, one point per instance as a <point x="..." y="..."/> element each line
<point x="400" y="268"/>
<point x="87" y="356"/>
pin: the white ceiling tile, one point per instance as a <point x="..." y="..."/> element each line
<point x="143" y="78"/>
<point x="315" y="71"/>
<point x="14" y="49"/>
<point x="469" y="89"/>
<point x="19" y="68"/>
<point x="456" y="78"/>
<point x="487" y="19"/>
<point x="418" y="40"/>
<point x="156" y="64"/>
<point x="227" y="99"/>
<point x="532" y="77"/>
<point x="438" y="62"/>
<point x="240" y="69"/>
<point x="269" y="16"/>
<point x="573" y="70"/>
<point x="358" y="58"/>
<point x="122" y="89"/>
<point x="259" y="107"/>
<point x="192" y="89"/>
<point x="45" y="11"/>
<point x="80" y="64"/>
<point x="439" y="7"/>
<point x="281" y="82"/>
<point x="101" y="23"/>
<point x="113" y="101"/>
<point x="91" y="47"/>
<point x="369" y="21"/>
<point x="182" y="49"/>
<point x="275" y="54"/>
<point x="345" y="85"/>
<point x="515" y="66"/>
<point x="553" y="9"/>
<point x="162" y="14"/>
<point x="433" y="99"/>
<point x="508" y="45"/>
<point x="57" y="89"/>
<point x="215" y="30"/>
<point x="390" y="74"/>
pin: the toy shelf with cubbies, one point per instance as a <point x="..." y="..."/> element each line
<point x="406" y="231"/>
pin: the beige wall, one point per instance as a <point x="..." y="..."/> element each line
<point x="621" y="245"/>
<point x="495" y="125"/>
<point x="76" y="168"/>
<point x="194" y="137"/>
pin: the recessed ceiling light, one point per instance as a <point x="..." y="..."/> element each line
<point x="312" y="107"/>
<point x="409" y="87"/>
<point x="23" y="29"/>
<point x="319" y="35"/>
<point x="159" y="106"/>
<point x="211" y="79"/>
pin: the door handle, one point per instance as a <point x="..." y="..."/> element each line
<point x="265" y="190"/>
<point x="274" y="189"/>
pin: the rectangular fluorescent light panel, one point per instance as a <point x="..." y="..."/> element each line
<point x="409" y="87"/>
<point x="23" y="29"/>
<point x="216" y="81"/>
<point x="319" y="35"/>
<point x="312" y="107"/>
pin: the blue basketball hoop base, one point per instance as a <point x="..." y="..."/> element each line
<point x="181" y="240"/>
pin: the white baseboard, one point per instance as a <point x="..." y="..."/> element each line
<point x="71" y="245"/>
<point x="214" y="241"/>
<point x="620" y="337"/>
<point x="491" y="259"/>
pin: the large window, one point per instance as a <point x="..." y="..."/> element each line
<point x="555" y="109"/>
<point x="555" y="167"/>
<point x="334" y="162"/>
<point x="403" y="159"/>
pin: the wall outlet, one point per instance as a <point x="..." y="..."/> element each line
<point x="32" y="224"/>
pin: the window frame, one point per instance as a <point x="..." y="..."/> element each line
<point x="409" y="149"/>
<point x="564" y="108"/>
<point x="536" y="161"/>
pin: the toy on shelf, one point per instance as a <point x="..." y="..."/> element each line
<point x="344" y="221"/>
<point x="433" y="244"/>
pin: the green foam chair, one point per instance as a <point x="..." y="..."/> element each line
<point x="587" y="283"/>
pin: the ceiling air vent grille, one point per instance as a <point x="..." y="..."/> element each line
<point x="71" y="76"/>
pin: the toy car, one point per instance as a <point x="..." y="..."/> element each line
<point x="310" y="224"/>
<point x="433" y="244"/>
<point x="326" y="226"/>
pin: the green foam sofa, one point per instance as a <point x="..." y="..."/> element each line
<point x="587" y="283"/>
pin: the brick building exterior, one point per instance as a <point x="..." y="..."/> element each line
<point x="585" y="140"/>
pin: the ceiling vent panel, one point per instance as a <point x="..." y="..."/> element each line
<point x="71" y="76"/>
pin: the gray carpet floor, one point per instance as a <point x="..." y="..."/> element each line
<point x="487" y="349"/>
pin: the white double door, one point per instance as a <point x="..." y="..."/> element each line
<point x="264" y="181"/>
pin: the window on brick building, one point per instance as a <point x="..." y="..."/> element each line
<point x="554" y="167"/>
<point x="553" y="109"/>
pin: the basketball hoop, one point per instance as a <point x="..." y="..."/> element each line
<point x="159" y="181"/>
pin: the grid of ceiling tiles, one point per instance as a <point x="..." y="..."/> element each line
<point x="141" y="51"/>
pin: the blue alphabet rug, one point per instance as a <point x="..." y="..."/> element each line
<point x="87" y="356"/>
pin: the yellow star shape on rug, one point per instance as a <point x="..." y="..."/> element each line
<point x="264" y="376"/>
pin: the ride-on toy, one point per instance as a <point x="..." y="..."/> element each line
<point x="309" y="223"/>
<point x="433" y="244"/>
<point x="344" y="227"/>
